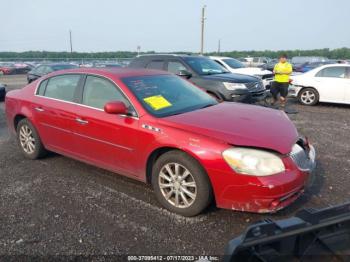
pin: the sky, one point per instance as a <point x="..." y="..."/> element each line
<point x="170" y="26"/>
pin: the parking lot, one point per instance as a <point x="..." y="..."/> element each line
<point x="61" y="206"/>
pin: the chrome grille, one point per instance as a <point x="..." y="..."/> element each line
<point x="255" y="86"/>
<point x="300" y="157"/>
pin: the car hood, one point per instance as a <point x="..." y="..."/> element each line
<point x="240" y="125"/>
<point x="231" y="77"/>
<point x="252" y="71"/>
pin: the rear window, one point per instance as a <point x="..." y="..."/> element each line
<point x="62" y="67"/>
<point x="233" y="63"/>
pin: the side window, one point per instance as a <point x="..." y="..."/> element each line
<point x="159" y="65"/>
<point x="62" y="87"/>
<point x="337" y="72"/>
<point x="175" y="67"/>
<point x="99" y="91"/>
<point x="41" y="88"/>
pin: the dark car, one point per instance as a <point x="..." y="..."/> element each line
<point x="207" y="74"/>
<point x="22" y="68"/>
<point x="270" y="65"/>
<point x="303" y="68"/>
<point x="45" y="69"/>
<point x="2" y="92"/>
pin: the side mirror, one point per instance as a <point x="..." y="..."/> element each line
<point x="116" y="108"/>
<point x="184" y="73"/>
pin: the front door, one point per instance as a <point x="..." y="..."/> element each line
<point x="105" y="139"/>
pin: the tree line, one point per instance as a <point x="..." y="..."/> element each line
<point x="340" y="53"/>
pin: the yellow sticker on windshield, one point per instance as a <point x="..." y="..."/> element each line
<point x="157" y="102"/>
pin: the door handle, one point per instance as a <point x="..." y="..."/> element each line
<point x="39" y="109"/>
<point x="81" y="121"/>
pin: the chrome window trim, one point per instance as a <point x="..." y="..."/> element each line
<point x="87" y="74"/>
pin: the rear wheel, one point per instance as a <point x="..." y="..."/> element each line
<point x="29" y="140"/>
<point x="181" y="184"/>
<point x="308" y="96"/>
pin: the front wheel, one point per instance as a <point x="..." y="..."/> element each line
<point x="308" y="96"/>
<point x="181" y="185"/>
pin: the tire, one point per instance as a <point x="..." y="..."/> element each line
<point x="195" y="187"/>
<point x="308" y="96"/>
<point x="29" y="140"/>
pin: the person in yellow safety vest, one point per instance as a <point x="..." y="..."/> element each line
<point x="282" y="71"/>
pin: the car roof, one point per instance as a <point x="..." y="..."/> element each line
<point x="112" y="71"/>
<point x="169" y="56"/>
<point x="222" y="57"/>
<point x="334" y="65"/>
<point x="55" y="64"/>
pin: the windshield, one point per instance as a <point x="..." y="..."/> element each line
<point x="233" y="63"/>
<point x="166" y="95"/>
<point x="204" y="66"/>
<point x="62" y="67"/>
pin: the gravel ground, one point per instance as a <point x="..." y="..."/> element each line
<point x="59" y="206"/>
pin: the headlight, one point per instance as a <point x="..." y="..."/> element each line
<point x="233" y="86"/>
<point x="253" y="162"/>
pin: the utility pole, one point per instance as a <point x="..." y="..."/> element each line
<point x="202" y="32"/>
<point x="70" y="41"/>
<point x="138" y="50"/>
<point x="219" y="47"/>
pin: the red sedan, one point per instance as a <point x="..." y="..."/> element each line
<point x="7" y="68"/>
<point x="160" y="129"/>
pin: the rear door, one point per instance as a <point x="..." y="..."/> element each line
<point x="107" y="140"/>
<point x="54" y="110"/>
<point x="331" y="84"/>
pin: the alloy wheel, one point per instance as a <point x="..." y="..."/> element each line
<point x="27" y="139"/>
<point x="177" y="185"/>
<point x="308" y="97"/>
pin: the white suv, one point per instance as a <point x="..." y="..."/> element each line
<point x="328" y="83"/>
<point x="236" y="66"/>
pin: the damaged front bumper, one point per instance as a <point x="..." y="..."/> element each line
<point x="272" y="193"/>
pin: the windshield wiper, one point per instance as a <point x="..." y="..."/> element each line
<point x="208" y="105"/>
<point x="212" y="72"/>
